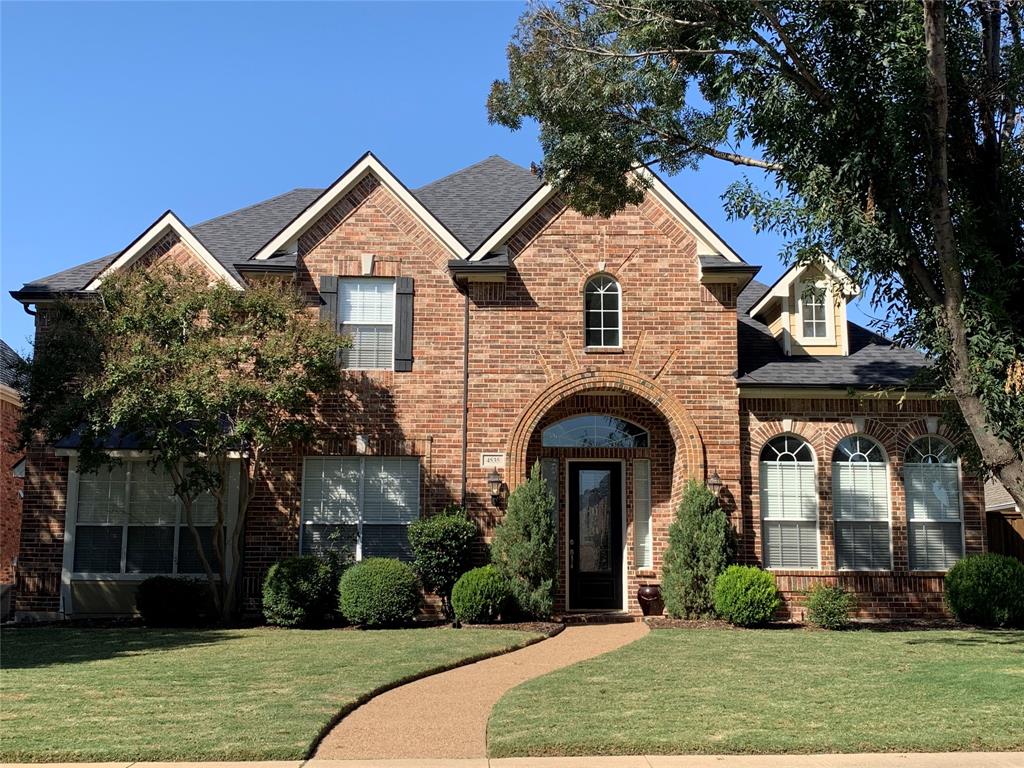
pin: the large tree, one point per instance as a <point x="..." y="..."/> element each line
<point x="885" y="135"/>
<point x="194" y="375"/>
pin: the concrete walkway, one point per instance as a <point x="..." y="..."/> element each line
<point x="886" y="760"/>
<point x="445" y="715"/>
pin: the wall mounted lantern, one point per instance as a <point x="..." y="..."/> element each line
<point x="495" y="485"/>
<point x="714" y="483"/>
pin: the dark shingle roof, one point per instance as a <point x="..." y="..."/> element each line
<point x="231" y="238"/>
<point x="9" y="362"/>
<point x="873" y="362"/>
<point x="477" y="200"/>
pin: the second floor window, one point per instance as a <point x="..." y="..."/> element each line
<point x="367" y="316"/>
<point x="602" y="315"/>
<point x="815" y="324"/>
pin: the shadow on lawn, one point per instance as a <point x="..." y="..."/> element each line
<point x="976" y="638"/>
<point x="28" y="647"/>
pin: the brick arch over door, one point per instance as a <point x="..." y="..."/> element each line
<point x="689" y="459"/>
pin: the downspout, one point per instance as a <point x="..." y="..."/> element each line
<point x="465" y="388"/>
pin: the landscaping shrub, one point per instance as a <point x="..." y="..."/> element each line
<point x="746" y="596"/>
<point x="302" y="591"/>
<point x="443" y="548"/>
<point x="987" y="590"/>
<point x="164" y="601"/>
<point x="379" y="592"/>
<point x="481" y="596"/>
<point x="829" y="607"/>
<point x="701" y="544"/>
<point x="524" y="546"/>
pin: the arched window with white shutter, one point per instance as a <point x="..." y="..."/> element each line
<point x="789" y="504"/>
<point x="860" y="505"/>
<point x="931" y="477"/>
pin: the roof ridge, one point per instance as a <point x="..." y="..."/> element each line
<point x="255" y="205"/>
<point x="467" y="168"/>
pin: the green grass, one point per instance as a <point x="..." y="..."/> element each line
<point x="134" y="694"/>
<point x="775" y="691"/>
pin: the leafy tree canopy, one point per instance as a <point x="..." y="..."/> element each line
<point x="885" y="135"/>
<point x="191" y="373"/>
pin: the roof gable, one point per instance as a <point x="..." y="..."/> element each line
<point x="708" y="241"/>
<point x="159" y="229"/>
<point x="367" y="164"/>
<point x="780" y="288"/>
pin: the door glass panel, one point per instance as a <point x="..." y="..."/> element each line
<point x="595" y="519"/>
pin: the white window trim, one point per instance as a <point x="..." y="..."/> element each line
<point x="394" y="313"/>
<point x="888" y="506"/>
<point x="648" y="550"/>
<point x="618" y="290"/>
<point x="817" y="507"/>
<point x="829" y="339"/>
<point x="362" y="496"/>
<point x="960" y="495"/>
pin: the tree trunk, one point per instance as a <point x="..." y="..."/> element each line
<point x="997" y="454"/>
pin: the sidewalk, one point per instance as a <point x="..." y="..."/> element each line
<point x="884" y="760"/>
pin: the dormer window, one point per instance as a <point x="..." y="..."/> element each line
<point x="816" y="309"/>
<point x="602" y="314"/>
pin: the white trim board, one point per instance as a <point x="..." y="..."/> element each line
<point x="168" y="222"/>
<point x="365" y="165"/>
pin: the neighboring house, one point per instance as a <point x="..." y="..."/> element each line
<point x="626" y="355"/>
<point x="11" y="474"/>
<point x="1004" y="521"/>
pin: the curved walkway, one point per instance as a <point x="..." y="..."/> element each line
<point x="445" y="715"/>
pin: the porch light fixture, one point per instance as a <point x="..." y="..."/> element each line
<point x="494" y="484"/>
<point x="714" y="483"/>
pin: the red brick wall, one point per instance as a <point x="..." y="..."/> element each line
<point x="10" y="488"/>
<point x="896" y="594"/>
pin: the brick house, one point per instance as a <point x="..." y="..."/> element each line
<point x="11" y="474"/>
<point x="494" y="328"/>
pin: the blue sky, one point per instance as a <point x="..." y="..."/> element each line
<point x="114" y="112"/>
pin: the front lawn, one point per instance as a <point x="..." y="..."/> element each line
<point x="253" y="694"/>
<point x="775" y="691"/>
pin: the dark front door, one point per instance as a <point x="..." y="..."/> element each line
<point x="595" y="535"/>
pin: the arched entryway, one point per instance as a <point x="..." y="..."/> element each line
<point x="617" y="449"/>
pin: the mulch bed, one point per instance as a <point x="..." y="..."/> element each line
<point x="664" y="622"/>
<point x="549" y="628"/>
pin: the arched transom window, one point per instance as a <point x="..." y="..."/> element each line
<point x="789" y="504"/>
<point x="860" y="505"/>
<point x="594" y="431"/>
<point x="602" y="314"/>
<point x="931" y="477"/>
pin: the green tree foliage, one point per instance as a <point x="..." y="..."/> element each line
<point x="443" y="548"/>
<point x="701" y="544"/>
<point x="192" y="373"/>
<point x="885" y="135"/>
<point x="524" y="549"/>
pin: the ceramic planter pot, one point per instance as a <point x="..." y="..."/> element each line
<point x="649" y="597"/>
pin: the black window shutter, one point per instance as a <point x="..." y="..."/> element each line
<point x="403" y="323"/>
<point x="329" y="299"/>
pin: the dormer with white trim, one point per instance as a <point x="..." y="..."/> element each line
<point x="805" y="309"/>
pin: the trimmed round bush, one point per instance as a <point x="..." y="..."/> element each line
<point x="379" y="592"/>
<point x="829" y="607"/>
<point x="746" y="596"/>
<point x="987" y="590"/>
<point x="481" y="596"/>
<point x="301" y="591"/>
<point x="164" y="601"/>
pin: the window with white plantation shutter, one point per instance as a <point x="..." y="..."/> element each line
<point x="789" y="504"/>
<point x="643" y="541"/>
<point x="366" y="314"/>
<point x="129" y="521"/>
<point x="931" y="477"/>
<point x="860" y="505"/>
<point x="362" y="505"/>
